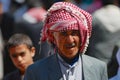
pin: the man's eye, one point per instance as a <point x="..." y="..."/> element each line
<point x="75" y="33"/>
<point x="63" y="33"/>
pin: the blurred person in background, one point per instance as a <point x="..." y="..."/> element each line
<point x="1" y="56"/>
<point x="117" y="75"/>
<point x="106" y="30"/>
<point x="114" y="64"/>
<point x="106" y="33"/>
<point x="21" y="52"/>
<point x="87" y="5"/>
<point x="4" y="6"/>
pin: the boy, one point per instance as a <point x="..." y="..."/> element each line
<point x="21" y="51"/>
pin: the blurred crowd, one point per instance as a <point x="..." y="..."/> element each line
<point x="27" y="16"/>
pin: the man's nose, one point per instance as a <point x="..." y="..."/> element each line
<point x="70" y="38"/>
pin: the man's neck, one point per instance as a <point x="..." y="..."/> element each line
<point x="70" y="61"/>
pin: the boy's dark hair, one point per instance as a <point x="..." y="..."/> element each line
<point x="18" y="39"/>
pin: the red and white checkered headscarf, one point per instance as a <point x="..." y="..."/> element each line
<point x="66" y="16"/>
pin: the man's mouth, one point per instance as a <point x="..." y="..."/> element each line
<point x="70" y="45"/>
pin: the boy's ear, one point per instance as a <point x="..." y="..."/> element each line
<point x="33" y="51"/>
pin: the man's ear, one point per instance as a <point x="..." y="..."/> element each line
<point x="33" y="51"/>
<point x="52" y="34"/>
<point x="53" y="37"/>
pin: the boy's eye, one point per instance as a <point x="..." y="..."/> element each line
<point x="22" y="54"/>
<point x="14" y="56"/>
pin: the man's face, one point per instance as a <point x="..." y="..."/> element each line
<point x="21" y="56"/>
<point x="68" y="43"/>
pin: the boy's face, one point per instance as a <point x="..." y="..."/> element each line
<point x="21" y="56"/>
